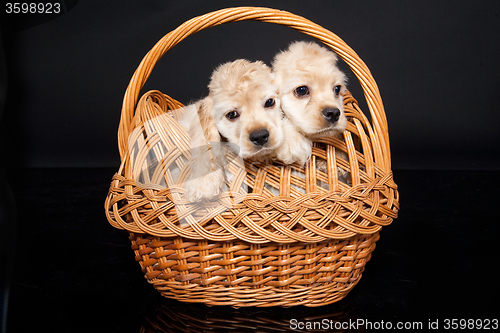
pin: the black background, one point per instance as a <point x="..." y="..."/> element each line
<point x="436" y="64"/>
<point x="63" y="79"/>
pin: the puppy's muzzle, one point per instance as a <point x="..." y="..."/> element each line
<point x="331" y="114"/>
<point x="259" y="137"/>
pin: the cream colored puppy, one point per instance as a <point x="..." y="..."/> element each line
<point x="310" y="87"/>
<point x="243" y="109"/>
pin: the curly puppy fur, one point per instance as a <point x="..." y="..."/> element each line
<point x="243" y="109"/>
<point x="310" y="88"/>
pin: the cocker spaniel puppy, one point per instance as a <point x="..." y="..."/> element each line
<point x="243" y="110"/>
<point x="310" y="86"/>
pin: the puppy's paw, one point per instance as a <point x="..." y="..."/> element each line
<point x="205" y="187"/>
<point x="302" y="151"/>
<point x="295" y="151"/>
<point x="284" y="156"/>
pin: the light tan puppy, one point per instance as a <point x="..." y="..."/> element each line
<point x="310" y="87"/>
<point x="242" y="109"/>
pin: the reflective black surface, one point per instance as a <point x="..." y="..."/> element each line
<point x="73" y="272"/>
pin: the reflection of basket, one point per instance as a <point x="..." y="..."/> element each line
<point x="263" y="249"/>
<point x="198" y="318"/>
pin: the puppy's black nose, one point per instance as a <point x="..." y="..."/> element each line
<point x="259" y="137"/>
<point x="331" y="114"/>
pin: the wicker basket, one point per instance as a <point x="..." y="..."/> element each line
<point x="263" y="249"/>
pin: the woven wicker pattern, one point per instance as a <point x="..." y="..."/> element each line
<point x="243" y="274"/>
<point x="307" y="245"/>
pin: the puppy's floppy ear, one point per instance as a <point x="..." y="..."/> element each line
<point x="198" y="119"/>
<point x="187" y="115"/>
<point x="278" y="79"/>
<point x="207" y="162"/>
<point x="207" y="120"/>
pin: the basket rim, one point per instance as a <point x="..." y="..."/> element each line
<point x="269" y="15"/>
<point x="253" y="232"/>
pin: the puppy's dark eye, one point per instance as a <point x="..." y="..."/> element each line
<point x="337" y="89"/>
<point x="301" y="91"/>
<point x="231" y="115"/>
<point x="270" y="103"/>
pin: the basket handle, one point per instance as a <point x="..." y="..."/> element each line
<point x="370" y="89"/>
